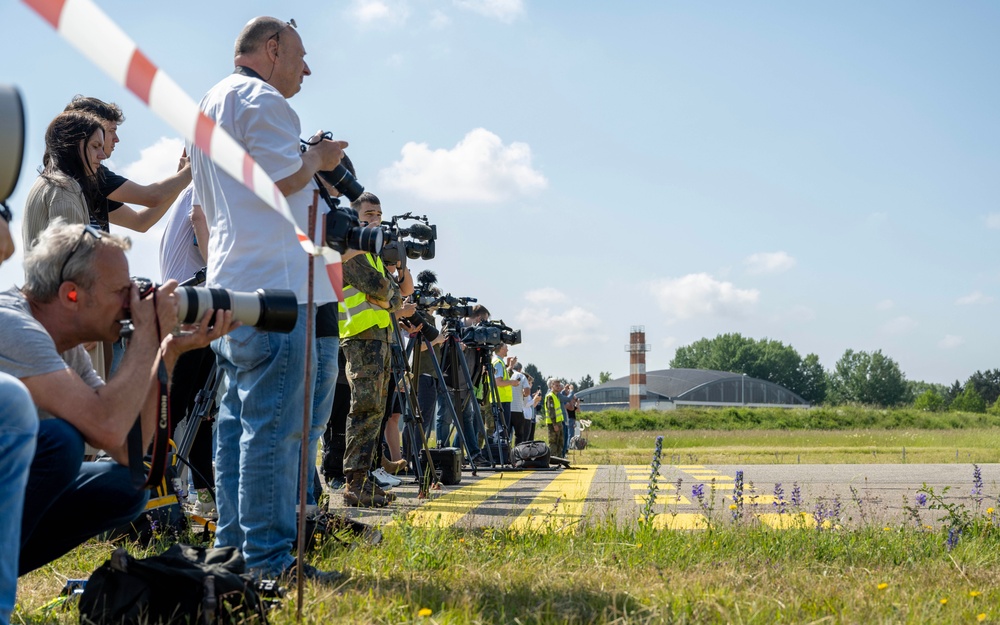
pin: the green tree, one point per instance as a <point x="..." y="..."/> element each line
<point x="918" y="388"/>
<point x="585" y="382"/>
<point x="969" y="400"/>
<point x="538" y="380"/>
<point x="987" y="384"/>
<point x="814" y="380"/>
<point x="604" y="376"/>
<point x="930" y="401"/>
<point x="865" y="378"/>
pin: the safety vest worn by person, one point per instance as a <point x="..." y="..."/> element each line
<point x="557" y="408"/>
<point x="363" y="314"/>
<point x="506" y="392"/>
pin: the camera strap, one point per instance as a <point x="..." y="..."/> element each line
<point x="161" y="435"/>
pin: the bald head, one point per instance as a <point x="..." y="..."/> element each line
<point x="256" y="33"/>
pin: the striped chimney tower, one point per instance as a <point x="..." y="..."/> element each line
<point x="637" y="349"/>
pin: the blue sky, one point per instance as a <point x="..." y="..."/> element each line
<point x="825" y="175"/>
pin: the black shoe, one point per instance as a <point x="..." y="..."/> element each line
<point x="480" y="460"/>
<point x="311" y="573"/>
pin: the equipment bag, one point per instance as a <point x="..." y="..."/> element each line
<point x="531" y="455"/>
<point x="447" y="463"/>
<point x="185" y="584"/>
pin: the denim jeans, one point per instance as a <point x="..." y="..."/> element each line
<point x="259" y="438"/>
<point x="69" y="501"/>
<point x="18" y="428"/>
<point x="327" y="369"/>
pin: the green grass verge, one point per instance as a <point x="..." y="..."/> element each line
<point x="610" y="574"/>
<point x="764" y="418"/>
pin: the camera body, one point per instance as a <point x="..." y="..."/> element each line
<point x="490" y="334"/>
<point x="454" y="307"/>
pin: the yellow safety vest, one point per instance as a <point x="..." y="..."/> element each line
<point x="556" y="404"/>
<point x="363" y="314"/>
<point x="506" y="392"/>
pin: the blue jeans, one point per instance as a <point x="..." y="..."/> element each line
<point x="69" y="501"/>
<point x="327" y="369"/>
<point x="18" y="428"/>
<point x="259" y="438"/>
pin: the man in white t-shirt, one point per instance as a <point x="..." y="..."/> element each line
<point x="517" y="412"/>
<point x="259" y="426"/>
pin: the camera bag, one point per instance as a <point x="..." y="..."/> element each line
<point x="185" y="584"/>
<point x="447" y="463"/>
<point x="531" y="455"/>
<point x="501" y="453"/>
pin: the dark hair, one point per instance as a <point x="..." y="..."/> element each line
<point x="367" y="196"/>
<point x="108" y="111"/>
<point x="65" y="136"/>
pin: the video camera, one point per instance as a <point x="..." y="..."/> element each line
<point x="269" y="310"/>
<point x="424" y="295"/>
<point x="11" y="144"/>
<point x="454" y="307"/>
<point x="490" y="334"/>
<point x="397" y="248"/>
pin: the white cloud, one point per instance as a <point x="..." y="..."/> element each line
<point x="885" y="304"/>
<point x="976" y="297"/>
<point x="156" y="162"/>
<point x="546" y="295"/>
<point x="993" y="221"/>
<point x="503" y="10"/>
<point x="768" y="262"/>
<point x="573" y="326"/>
<point x="899" y="325"/>
<point x="950" y="341"/>
<point x="699" y="294"/>
<point x="480" y="168"/>
<point x="439" y="20"/>
<point x="372" y="12"/>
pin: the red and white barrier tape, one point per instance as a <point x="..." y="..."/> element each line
<point x="97" y="37"/>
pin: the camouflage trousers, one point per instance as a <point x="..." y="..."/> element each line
<point x="556" y="439"/>
<point x="368" y="374"/>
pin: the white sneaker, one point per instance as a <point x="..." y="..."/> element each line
<point x="383" y="479"/>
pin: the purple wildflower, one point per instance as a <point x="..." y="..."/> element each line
<point x="921" y="499"/>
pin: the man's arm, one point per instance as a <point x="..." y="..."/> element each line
<point x="200" y="225"/>
<point x="6" y="241"/>
<point x="156" y="195"/>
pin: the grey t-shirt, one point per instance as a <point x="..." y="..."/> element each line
<point x="27" y="350"/>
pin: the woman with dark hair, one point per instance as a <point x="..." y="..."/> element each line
<point x="67" y="186"/>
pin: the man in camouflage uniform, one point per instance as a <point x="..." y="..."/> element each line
<point x="370" y="294"/>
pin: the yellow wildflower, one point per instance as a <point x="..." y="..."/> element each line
<point x="981" y="617"/>
<point x="886" y="529"/>
<point x="424" y="612"/>
<point x="989" y="511"/>
<point x="944" y="601"/>
<point x="974" y="593"/>
<point x="732" y="506"/>
<point x="883" y="586"/>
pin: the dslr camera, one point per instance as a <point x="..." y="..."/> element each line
<point x="425" y="297"/>
<point x="11" y="144"/>
<point x="343" y="229"/>
<point x="416" y="242"/>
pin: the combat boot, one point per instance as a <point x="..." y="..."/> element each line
<point x="364" y="493"/>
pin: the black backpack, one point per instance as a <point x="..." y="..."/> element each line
<point x="531" y="455"/>
<point x="185" y="584"/>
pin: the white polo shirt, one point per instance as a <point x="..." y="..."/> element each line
<point x="252" y="246"/>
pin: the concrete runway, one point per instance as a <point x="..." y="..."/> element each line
<point x="848" y="494"/>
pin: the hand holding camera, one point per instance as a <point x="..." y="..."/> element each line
<point x="328" y="151"/>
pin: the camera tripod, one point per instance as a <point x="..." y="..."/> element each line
<point x="412" y="419"/>
<point x="451" y="353"/>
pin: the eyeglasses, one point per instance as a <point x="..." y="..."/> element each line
<point x="92" y="231"/>
<point x="277" y="36"/>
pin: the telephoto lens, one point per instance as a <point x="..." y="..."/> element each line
<point x="269" y="310"/>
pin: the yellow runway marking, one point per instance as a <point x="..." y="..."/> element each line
<point x="801" y="520"/>
<point x="685" y="521"/>
<point x="450" y="507"/>
<point x="560" y="504"/>
<point x="645" y="486"/>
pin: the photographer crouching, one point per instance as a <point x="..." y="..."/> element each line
<point x="77" y="290"/>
